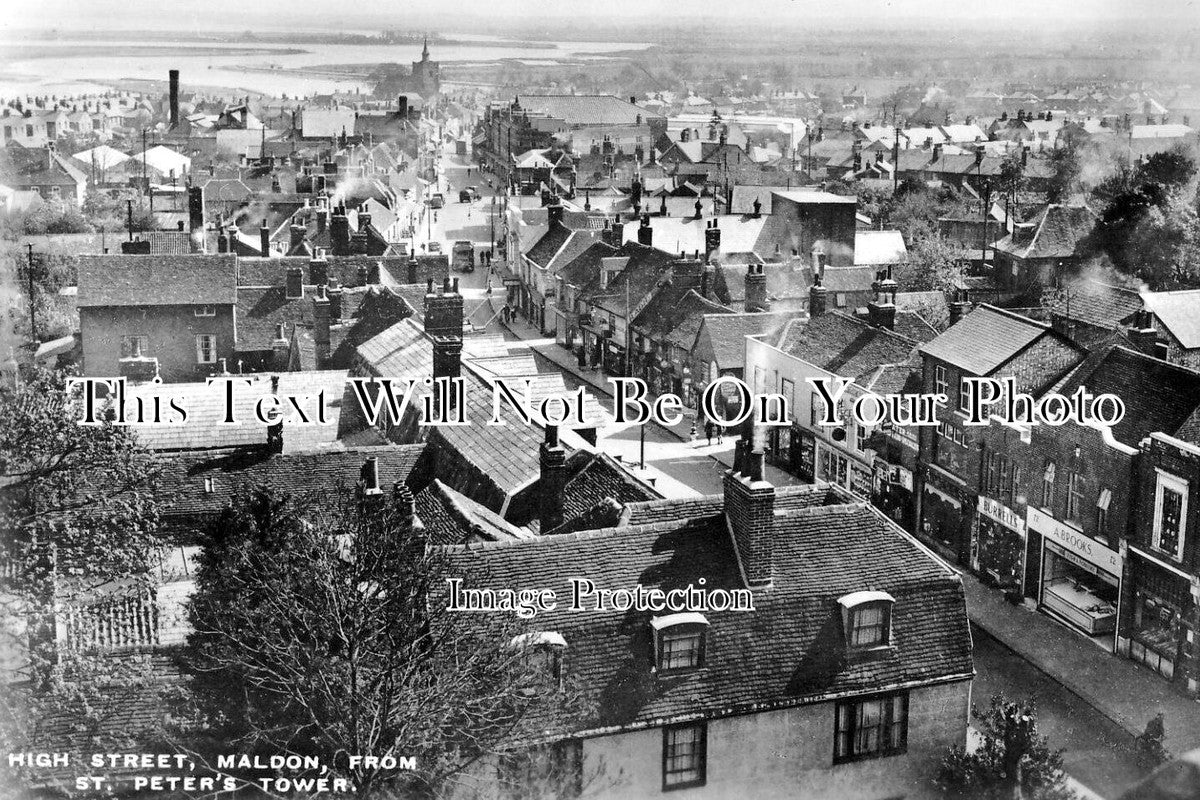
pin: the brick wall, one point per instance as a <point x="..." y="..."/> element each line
<point x="170" y="333"/>
<point x="750" y="508"/>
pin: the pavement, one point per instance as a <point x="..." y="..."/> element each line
<point x="1122" y="690"/>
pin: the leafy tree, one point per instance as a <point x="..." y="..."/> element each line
<point x="1012" y="759"/>
<point x="935" y="263"/>
<point x="321" y="629"/>
<point x="77" y="513"/>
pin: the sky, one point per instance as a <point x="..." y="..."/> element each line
<point x="238" y="15"/>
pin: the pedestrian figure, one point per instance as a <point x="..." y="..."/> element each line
<point x="720" y="434"/>
<point x="692" y="435"/>
<point x="708" y="431"/>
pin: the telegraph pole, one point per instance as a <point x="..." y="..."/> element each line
<point x="32" y="308"/>
<point x="145" y="177"/>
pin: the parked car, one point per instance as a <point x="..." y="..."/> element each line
<point x="435" y="247"/>
<point x="464" y="196"/>
<point x="437" y="201"/>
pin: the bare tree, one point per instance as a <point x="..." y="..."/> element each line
<point x="321" y="630"/>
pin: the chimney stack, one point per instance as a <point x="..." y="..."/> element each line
<point x="264" y="241"/>
<point x="959" y="307"/>
<point x="881" y="311"/>
<point x="321" y="334"/>
<point x="280" y="349"/>
<point x="554" y="212"/>
<point x="712" y="239"/>
<point x="645" y="234"/>
<point x="444" y="324"/>
<point x="750" y="511"/>
<point x="318" y="269"/>
<point x="413" y="267"/>
<point x="173" y="96"/>
<point x="552" y="462"/>
<point x="295" y="237"/>
<point x="339" y="232"/>
<point x="756" y="288"/>
<point x="294" y="283"/>
<point x="1143" y="334"/>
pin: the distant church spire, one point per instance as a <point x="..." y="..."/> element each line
<point x="425" y="50"/>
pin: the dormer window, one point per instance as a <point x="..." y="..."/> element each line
<point x="867" y="618"/>
<point x="542" y="652"/>
<point x="679" y="641"/>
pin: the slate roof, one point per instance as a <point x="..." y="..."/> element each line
<point x="789" y="651"/>
<point x="1099" y="304"/>
<point x="1178" y="312"/>
<point x="157" y="280"/>
<point x="1159" y="397"/>
<point x="843" y="345"/>
<point x="585" y="266"/>
<point x="985" y="339"/>
<point x="728" y="332"/>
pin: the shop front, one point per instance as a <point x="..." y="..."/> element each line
<point x="1157" y="627"/>
<point x="783" y="447"/>
<point x="945" y="516"/>
<point x="998" y="544"/>
<point x="1080" y="578"/>
<point x="806" y="455"/>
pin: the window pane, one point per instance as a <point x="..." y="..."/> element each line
<point x="868" y="625"/>
<point x="1172" y="505"/>
<point x="683" y="757"/>
<point x="680" y="650"/>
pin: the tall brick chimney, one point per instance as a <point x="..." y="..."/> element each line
<point x="318" y="270"/>
<point x="750" y="512"/>
<point x="712" y="239"/>
<point x="552" y="476"/>
<point x="321" y="327"/>
<point x="264" y="241"/>
<point x="280" y="348"/>
<point x="294" y="283"/>
<point x="173" y="96"/>
<point x="339" y="232"/>
<point x="756" y="288"/>
<point x="817" y="299"/>
<point x="645" y="234"/>
<point x="444" y="324"/>
<point x="959" y="307"/>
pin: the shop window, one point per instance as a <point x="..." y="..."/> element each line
<point x="1074" y="496"/>
<point x="1157" y="633"/>
<point x="871" y="727"/>
<point x="860" y="437"/>
<point x="867" y="618"/>
<point x="1048" y="486"/>
<point x="684" y="756"/>
<point x="679" y="641"/>
<point x="940" y="386"/>
<point x="1170" y="507"/>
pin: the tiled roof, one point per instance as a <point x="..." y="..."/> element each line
<point x="843" y="345"/>
<point x="1100" y="304"/>
<point x="449" y="517"/>
<point x="204" y="429"/>
<point x="1178" y="312"/>
<point x="1159" y="397"/>
<point x="195" y="488"/>
<point x="548" y="245"/>
<point x="911" y="325"/>
<point x="1056" y="233"/>
<point x="984" y="339"/>
<point x="585" y="266"/>
<point x="596" y="477"/>
<point x="157" y="280"/>
<point x="728" y="332"/>
<point x="848" y="279"/>
<point x="789" y="651"/>
<point x="402" y="352"/>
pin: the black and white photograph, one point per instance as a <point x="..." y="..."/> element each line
<point x="512" y="400"/>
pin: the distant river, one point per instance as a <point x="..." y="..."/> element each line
<point x="66" y="65"/>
